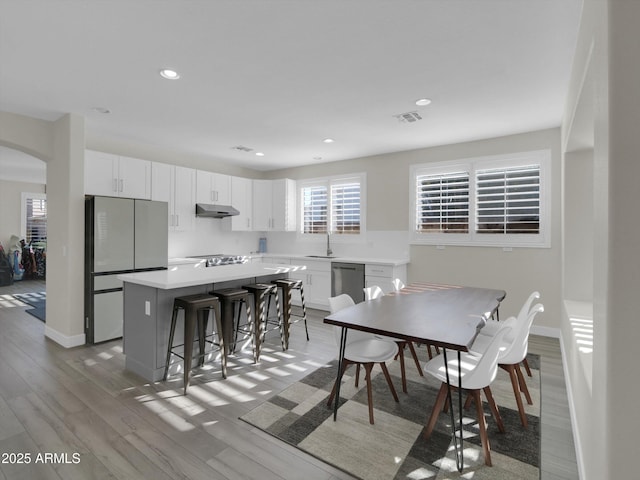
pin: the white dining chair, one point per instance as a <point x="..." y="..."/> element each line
<point x="513" y="351"/>
<point x="492" y="326"/>
<point x="477" y="372"/>
<point x="362" y="348"/>
<point x="371" y="293"/>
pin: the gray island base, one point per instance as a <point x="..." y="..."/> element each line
<point x="148" y="305"/>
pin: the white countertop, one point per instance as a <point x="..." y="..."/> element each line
<point x="190" y="277"/>
<point x="370" y="261"/>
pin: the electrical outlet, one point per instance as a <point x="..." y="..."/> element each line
<point x="147" y="308"/>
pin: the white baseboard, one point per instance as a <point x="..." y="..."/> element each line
<point x="64" y="340"/>
<point x="545" y="331"/>
<point x="574" y="420"/>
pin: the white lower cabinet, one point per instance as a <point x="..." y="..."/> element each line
<point x="384" y="275"/>
<point x="316" y="281"/>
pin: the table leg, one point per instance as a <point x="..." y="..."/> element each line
<point x="343" y="344"/>
<point x="459" y="450"/>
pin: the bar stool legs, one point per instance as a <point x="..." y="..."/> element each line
<point x="196" y="311"/>
<point x="286" y="286"/>
<point x="229" y="298"/>
<point x="262" y="293"/>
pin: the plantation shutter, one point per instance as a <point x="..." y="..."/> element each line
<point x="314" y="213"/>
<point x="442" y="203"/>
<point x="508" y="200"/>
<point x="36" y="220"/>
<point x="345" y="207"/>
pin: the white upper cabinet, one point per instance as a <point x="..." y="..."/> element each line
<point x="213" y="188"/>
<point x="175" y="185"/>
<point x="274" y="205"/>
<point x="116" y="176"/>
<point x="242" y="200"/>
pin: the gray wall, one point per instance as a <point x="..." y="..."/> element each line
<point x="519" y="271"/>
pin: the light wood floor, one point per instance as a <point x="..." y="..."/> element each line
<point x="82" y="401"/>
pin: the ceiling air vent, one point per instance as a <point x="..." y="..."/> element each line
<point x="409" y="117"/>
<point x="242" y="148"/>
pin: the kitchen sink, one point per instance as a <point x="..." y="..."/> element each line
<point x="320" y="256"/>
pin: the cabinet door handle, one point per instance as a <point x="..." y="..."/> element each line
<point x="177" y="220"/>
<point x="115" y="185"/>
<point x="248" y="223"/>
<point x="121" y="185"/>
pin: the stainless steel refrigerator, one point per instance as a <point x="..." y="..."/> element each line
<point x="122" y="235"/>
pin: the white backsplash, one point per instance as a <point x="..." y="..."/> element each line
<point x="382" y="244"/>
<point x="213" y="235"/>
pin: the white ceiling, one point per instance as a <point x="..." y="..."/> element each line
<point x="280" y="76"/>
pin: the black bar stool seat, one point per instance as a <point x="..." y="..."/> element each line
<point x="196" y="313"/>
<point x="229" y="299"/>
<point x="287" y="285"/>
<point x="262" y="293"/>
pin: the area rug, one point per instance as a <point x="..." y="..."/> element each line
<point x="394" y="447"/>
<point x="37" y="301"/>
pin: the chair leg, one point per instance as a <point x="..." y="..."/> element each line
<point x="516" y="391"/>
<point x="523" y="384"/>
<point x="435" y="412"/>
<point x="389" y="382"/>
<point x="367" y="369"/>
<point x="526" y="366"/>
<point x="357" y="374"/>
<point x="304" y="311"/>
<point x="415" y="358"/>
<point x="429" y="352"/>
<point x="221" y="346"/>
<point x="494" y="408"/>
<point x="172" y="331"/>
<point x="482" y="424"/>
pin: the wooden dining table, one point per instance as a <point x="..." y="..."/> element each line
<point x="447" y="316"/>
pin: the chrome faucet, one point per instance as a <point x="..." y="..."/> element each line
<point x="329" y="251"/>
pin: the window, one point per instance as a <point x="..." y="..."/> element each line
<point x="443" y="203"/>
<point x="508" y="200"/>
<point x="496" y="201"/>
<point x="34" y="217"/>
<point x="332" y="205"/>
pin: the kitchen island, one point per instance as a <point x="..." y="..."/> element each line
<point x="148" y="304"/>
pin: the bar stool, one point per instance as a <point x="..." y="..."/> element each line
<point x="287" y="286"/>
<point x="262" y="293"/>
<point x="196" y="310"/>
<point x="229" y="299"/>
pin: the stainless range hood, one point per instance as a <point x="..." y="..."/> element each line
<point x="215" y="211"/>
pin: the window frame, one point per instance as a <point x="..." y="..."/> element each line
<point x="473" y="166"/>
<point x="23" y="213"/>
<point x="329" y="182"/>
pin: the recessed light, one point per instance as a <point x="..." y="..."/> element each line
<point x="423" y="102"/>
<point x="260" y="154"/>
<point x="328" y="140"/>
<point x="169" y="74"/>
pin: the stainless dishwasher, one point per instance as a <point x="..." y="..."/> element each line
<point x="348" y="278"/>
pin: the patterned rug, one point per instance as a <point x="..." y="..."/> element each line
<point x="37" y="301"/>
<point x="394" y="448"/>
